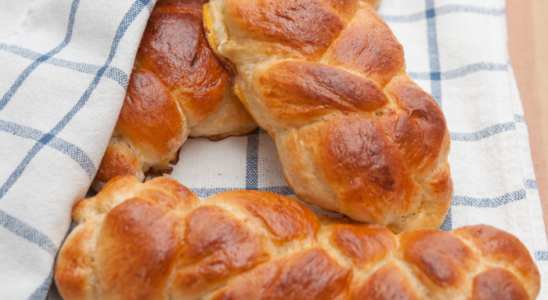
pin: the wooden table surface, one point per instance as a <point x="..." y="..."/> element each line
<point x="528" y="45"/>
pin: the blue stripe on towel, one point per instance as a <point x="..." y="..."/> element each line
<point x="128" y="19"/>
<point x="448" y="223"/>
<point x="112" y="72"/>
<point x="531" y="184"/>
<point x="489" y="202"/>
<point x="21" y="79"/>
<point x="541" y="255"/>
<point x="519" y="119"/>
<point x="77" y="154"/>
<point x="484" y="133"/>
<point x="459" y="72"/>
<point x="433" y="51"/>
<point x="41" y="292"/>
<point x="206" y="192"/>
<point x="27" y="232"/>
<point x="252" y="161"/>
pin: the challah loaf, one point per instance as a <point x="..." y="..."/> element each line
<point x="178" y="89"/>
<point x="326" y="78"/>
<point x="158" y="241"/>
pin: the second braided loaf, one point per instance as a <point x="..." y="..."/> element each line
<point x="326" y="78"/>
<point x="158" y="241"/>
<point x="177" y="89"/>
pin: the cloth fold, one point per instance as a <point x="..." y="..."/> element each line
<point x="66" y="64"/>
<point x="65" y="70"/>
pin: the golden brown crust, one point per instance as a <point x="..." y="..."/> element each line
<point x="327" y="79"/>
<point x="307" y="27"/>
<point x="117" y="161"/>
<point x="498" y="284"/>
<point x="178" y="89"/>
<point x="277" y="213"/>
<point x="143" y="236"/>
<point x="115" y="191"/>
<point x="310" y="274"/>
<point x="356" y="147"/>
<point x="230" y="118"/>
<point x="344" y="7"/>
<point x="387" y="283"/>
<point x="503" y="248"/>
<point x="169" y="193"/>
<point x="365" y="245"/>
<point x="373" y="3"/>
<point x="155" y="240"/>
<point x="298" y="92"/>
<point x="174" y="48"/>
<point x="419" y="128"/>
<point x="440" y="261"/>
<point x="180" y="5"/>
<point x="149" y="102"/>
<point x="368" y="46"/>
<point x="499" y="245"/>
<point x="150" y="130"/>
<point x="74" y="275"/>
<point x="216" y="247"/>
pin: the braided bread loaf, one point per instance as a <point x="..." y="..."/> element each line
<point x="157" y="241"/>
<point x="178" y="89"/>
<point x="326" y="78"/>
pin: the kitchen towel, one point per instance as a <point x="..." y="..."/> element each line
<point x="65" y="65"/>
<point x="65" y="69"/>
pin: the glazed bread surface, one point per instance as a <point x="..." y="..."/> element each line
<point x="326" y="78"/>
<point x="158" y="241"/>
<point x="177" y="89"/>
<point x="373" y="3"/>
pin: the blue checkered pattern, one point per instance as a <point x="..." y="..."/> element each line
<point x="58" y="106"/>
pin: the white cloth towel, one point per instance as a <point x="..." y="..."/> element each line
<point x="65" y="68"/>
<point x="66" y="64"/>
